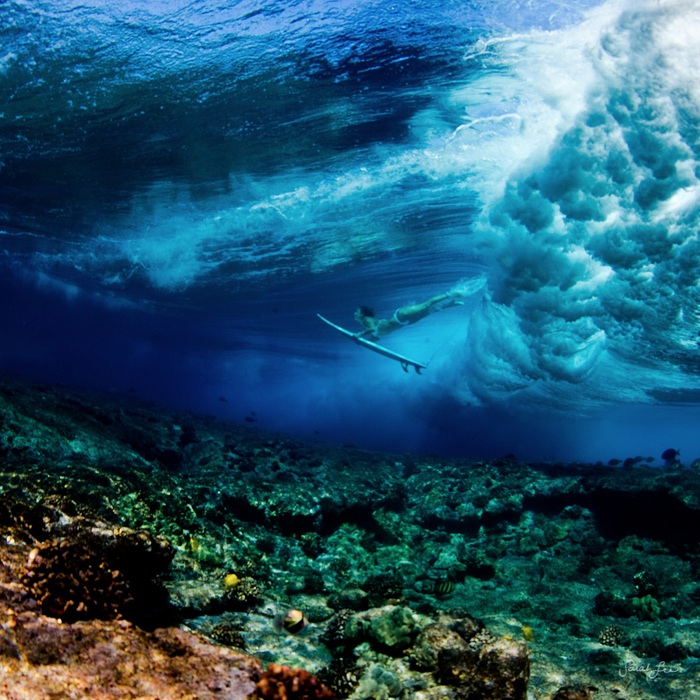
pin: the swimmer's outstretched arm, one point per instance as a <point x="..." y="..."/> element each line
<point x="362" y="334"/>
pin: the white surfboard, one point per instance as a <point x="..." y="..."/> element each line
<point x="404" y="361"/>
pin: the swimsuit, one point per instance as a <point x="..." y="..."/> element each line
<point x="396" y="318"/>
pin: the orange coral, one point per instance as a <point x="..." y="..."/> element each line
<point x="284" y="683"/>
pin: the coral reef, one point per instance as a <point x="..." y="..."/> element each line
<point x="414" y="576"/>
<point x="342" y="675"/>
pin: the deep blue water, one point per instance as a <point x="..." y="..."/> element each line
<point x="184" y="185"/>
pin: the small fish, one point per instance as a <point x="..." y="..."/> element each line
<point x="528" y="633"/>
<point x="438" y="587"/>
<point x="231" y="581"/>
<point x="670" y="455"/>
<point x="292" y="621"/>
<point x="444" y="587"/>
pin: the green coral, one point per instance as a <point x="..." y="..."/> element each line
<point x="379" y="683"/>
<point x="647" y="608"/>
<point x="395" y="629"/>
<point x="390" y="629"/>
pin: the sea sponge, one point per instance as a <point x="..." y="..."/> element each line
<point x="285" y="683"/>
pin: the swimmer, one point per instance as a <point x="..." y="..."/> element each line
<point x="403" y="316"/>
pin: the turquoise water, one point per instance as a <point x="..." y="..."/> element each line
<point x="185" y="185"/>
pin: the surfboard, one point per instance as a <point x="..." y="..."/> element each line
<point x="404" y="361"/>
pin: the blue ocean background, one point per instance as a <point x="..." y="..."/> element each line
<point x="184" y="185"/>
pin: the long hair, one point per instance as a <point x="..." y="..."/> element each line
<point x="366" y="311"/>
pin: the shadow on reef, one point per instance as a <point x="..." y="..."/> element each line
<point x="99" y="572"/>
<point x="347" y="573"/>
<point x="620" y="512"/>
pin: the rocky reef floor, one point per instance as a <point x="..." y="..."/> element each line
<point x="146" y="553"/>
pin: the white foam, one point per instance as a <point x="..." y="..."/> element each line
<point x="586" y="253"/>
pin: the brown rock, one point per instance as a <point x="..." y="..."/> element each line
<point x="108" y="660"/>
<point x="43" y="657"/>
<point x="497" y="670"/>
<point x="572" y="692"/>
<point x="435" y="641"/>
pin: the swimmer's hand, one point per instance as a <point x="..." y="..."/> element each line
<point x="452" y="298"/>
<point x="467" y="287"/>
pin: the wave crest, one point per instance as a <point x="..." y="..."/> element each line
<point x="592" y="243"/>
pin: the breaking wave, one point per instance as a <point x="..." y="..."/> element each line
<point x="227" y="172"/>
<point x="591" y="240"/>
